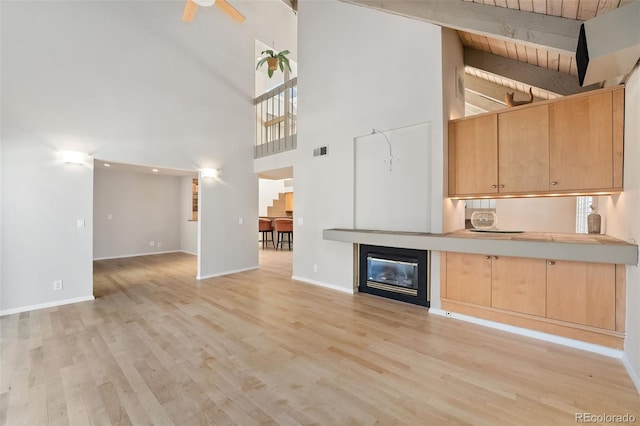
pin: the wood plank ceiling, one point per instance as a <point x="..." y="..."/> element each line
<point x="582" y="10"/>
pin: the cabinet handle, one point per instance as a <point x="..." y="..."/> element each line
<point x="551" y="262"/>
<point x="487" y="257"/>
<point x="500" y="186"/>
<point x="494" y="257"/>
<point x="494" y="186"/>
<point x="554" y="182"/>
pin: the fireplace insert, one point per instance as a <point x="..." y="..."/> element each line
<point x="396" y="273"/>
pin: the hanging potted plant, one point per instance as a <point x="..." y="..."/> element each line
<point x="274" y="60"/>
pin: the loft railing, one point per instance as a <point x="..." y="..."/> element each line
<point x="276" y="113"/>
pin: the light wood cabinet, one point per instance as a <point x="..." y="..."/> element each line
<point x="473" y="151"/>
<point x="564" y="146"/>
<point x="581" y="134"/>
<point x="523" y="150"/>
<point x="511" y="283"/>
<point x="288" y="201"/>
<point x="469" y="278"/>
<point x="582" y="293"/>
<point x="518" y="284"/>
<point x="580" y="300"/>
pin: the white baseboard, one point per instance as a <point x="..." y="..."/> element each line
<point x="45" y="305"/>
<point x="632" y="373"/>
<point x="187" y="252"/>
<point x="219" y="274"/>
<point x="138" y="254"/>
<point x="590" y="347"/>
<point x="321" y="284"/>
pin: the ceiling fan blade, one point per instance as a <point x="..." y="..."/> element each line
<point x="189" y="11"/>
<point x="230" y="10"/>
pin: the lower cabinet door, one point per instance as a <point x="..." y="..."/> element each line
<point x="583" y="293"/>
<point x="518" y="285"/>
<point x="469" y="278"/>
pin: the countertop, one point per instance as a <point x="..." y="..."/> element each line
<point x="542" y="245"/>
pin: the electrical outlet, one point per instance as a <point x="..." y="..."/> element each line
<point x="159" y="244"/>
<point x="240" y="220"/>
<point x="57" y="285"/>
<point x="300" y="221"/>
<point x="152" y="243"/>
<point x="315" y="268"/>
<point x="109" y="216"/>
<point x="80" y="223"/>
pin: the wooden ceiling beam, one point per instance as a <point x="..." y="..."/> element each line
<point x="542" y="78"/>
<point x="492" y="91"/>
<point x="482" y="103"/>
<point x="534" y="29"/>
<point x="291" y="4"/>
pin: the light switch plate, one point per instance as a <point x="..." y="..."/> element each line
<point x="300" y="221"/>
<point x="80" y="223"/>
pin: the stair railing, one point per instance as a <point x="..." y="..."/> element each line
<point x="276" y="116"/>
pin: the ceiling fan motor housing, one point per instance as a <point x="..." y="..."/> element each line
<point x="204" y="3"/>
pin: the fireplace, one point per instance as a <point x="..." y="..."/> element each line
<point x="396" y="273"/>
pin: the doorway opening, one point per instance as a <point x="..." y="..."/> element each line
<point x="276" y="208"/>
<point x="143" y="210"/>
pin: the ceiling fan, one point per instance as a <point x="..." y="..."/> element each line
<point x="192" y="5"/>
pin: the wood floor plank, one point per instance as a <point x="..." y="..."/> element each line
<point x="56" y="403"/>
<point x="159" y="347"/>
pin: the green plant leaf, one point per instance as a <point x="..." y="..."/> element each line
<point x="285" y="61"/>
<point x="281" y="56"/>
<point x="261" y="62"/>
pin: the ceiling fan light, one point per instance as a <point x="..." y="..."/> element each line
<point x="204" y="3"/>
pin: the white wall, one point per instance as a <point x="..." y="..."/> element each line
<point x="386" y="73"/>
<point x="392" y="182"/>
<point x="144" y="208"/>
<point x="188" y="227"/>
<point x="128" y="82"/>
<point x="452" y="216"/>
<point x="40" y="238"/>
<point x="556" y="214"/>
<point x="268" y="191"/>
<point x="620" y="215"/>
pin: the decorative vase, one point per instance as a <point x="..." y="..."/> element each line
<point x="593" y="221"/>
<point x="484" y="219"/>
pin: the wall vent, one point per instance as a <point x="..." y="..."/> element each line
<point x="320" y="151"/>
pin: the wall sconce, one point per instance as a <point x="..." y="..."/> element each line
<point x="74" y="157"/>
<point x="209" y="173"/>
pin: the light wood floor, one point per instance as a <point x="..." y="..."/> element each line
<point x="159" y="347"/>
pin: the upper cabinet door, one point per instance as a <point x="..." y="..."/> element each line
<point x="523" y="150"/>
<point x="581" y="149"/>
<point x="473" y="149"/>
